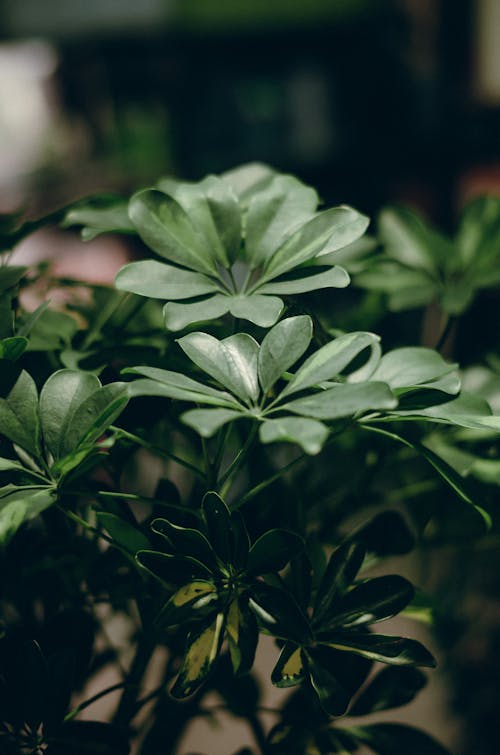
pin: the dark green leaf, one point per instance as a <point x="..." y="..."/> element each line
<point x="398" y="651"/>
<point x="273" y="551"/>
<point x="335" y="680"/>
<point x="242" y="635"/>
<point x="207" y="421"/>
<point x="393" y="739"/>
<point x="19" y="414"/>
<point x="344" y="400"/>
<point x="278" y="613"/>
<point x="342" y="568"/>
<point x="12" y="348"/>
<point x="289" y="669"/>
<point x="218" y="521"/>
<point x="61" y="396"/>
<point x="186" y="541"/>
<point x="172" y="570"/>
<point x="391" y="688"/>
<point x="123" y="533"/>
<point x="178" y="386"/>
<point x="374" y="600"/>
<point x="21" y="504"/>
<point x="179" y="316"/>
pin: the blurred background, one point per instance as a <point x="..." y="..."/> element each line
<point x="371" y="101"/>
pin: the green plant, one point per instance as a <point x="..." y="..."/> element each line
<point x="270" y="425"/>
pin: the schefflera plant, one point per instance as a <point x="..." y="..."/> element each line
<point x="235" y="244"/>
<point x="217" y="591"/>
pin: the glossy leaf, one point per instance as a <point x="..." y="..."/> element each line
<point x="206" y="422"/>
<point x="104" y="213"/>
<point x="398" y="651"/>
<point x="410" y="242"/>
<point x="19" y="414"/>
<point x="282" y="347"/>
<point x="166" y="228"/>
<point x="392" y="687"/>
<point x="374" y="600"/>
<point x="179" y="316"/>
<point x="309" y="434"/>
<point x="170" y="569"/>
<point x="242" y="634"/>
<point x="278" y="613"/>
<point x="331" y="360"/>
<point x="284" y="204"/>
<point x="218" y="521"/>
<point x="21" y="504"/>
<point x="343" y="566"/>
<point x="393" y="739"/>
<point x="161" y="281"/>
<point x="413" y="366"/>
<point x="125" y="534"/>
<point x="193" y="601"/>
<point x="334" y="678"/>
<point x="273" y="551"/>
<point x="232" y="361"/>
<point x="13" y="348"/>
<point x="213" y="209"/>
<point x="289" y="670"/>
<point x="344" y="400"/>
<point x="177" y="386"/>
<point x="305" y="280"/>
<point x="94" y="415"/>
<point x="61" y="396"/>
<point x="263" y="311"/>
<point x="203" y="649"/>
<point x="186" y="541"/>
<point x="248" y="179"/>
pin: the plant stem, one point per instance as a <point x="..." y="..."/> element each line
<point x="238" y="460"/>
<point x="105" y="314"/>
<point x="93" y="699"/>
<point x="265" y="483"/>
<point x="450" y="322"/>
<point x="127" y="707"/>
<point x="145" y="499"/>
<point x="157" y="450"/>
<point x="75" y="518"/>
<point x="258" y="732"/>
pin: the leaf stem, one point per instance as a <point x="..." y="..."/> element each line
<point x="265" y="483"/>
<point x="69" y="716"/>
<point x="157" y="450"/>
<point x="238" y="460"/>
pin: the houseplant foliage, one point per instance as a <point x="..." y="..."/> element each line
<point x="269" y="423"/>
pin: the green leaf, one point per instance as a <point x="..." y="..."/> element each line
<point x="282" y="347"/>
<point x="94" y="415"/>
<point x="206" y="422"/>
<point x="342" y="568"/>
<point x="391" y="688"/>
<point x="104" y="213"/>
<point x="334" y="680"/>
<point x="61" y="396"/>
<point x="213" y="208"/>
<point x="416" y="366"/>
<point x="12" y="348"/>
<point x="263" y="311"/>
<point x="177" y="386"/>
<point x="186" y="541"/>
<point x="161" y="281"/>
<point x="398" y="651"/>
<point x="306" y="279"/>
<point x="447" y="473"/>
<point x="410" y="242"/>
<point x="273" y="551"/>
<point x="179" y="316"/>
<point x="19" y="414"/>
<point x="278" y="613"/>
<point x="125" y="534"/>
<point x="166" y="228"/>
<point x="273" y="213"/>
<point x="309" y="434"/>
<point x="232" y="361"/>
<point x="478" y="234"/>
<point x="242" y="635"/>
<point x="289" y="669"/>
<point x="332" y="359"/>
<point x="21" y="504"/>
<point x="192" y="602"/>
<point x="370" y="601"/>
<point x="344" y="400"/>
<point x="247" y="180"/>
<point x="10" y="275"/>
<point x="52" y="331"/>
<point x="172" y="570"/>
<point x="393" y="739"/>
<point x="201" y="654"/>
<point x="328" y="231"/>
<point x="218" y="521"/>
